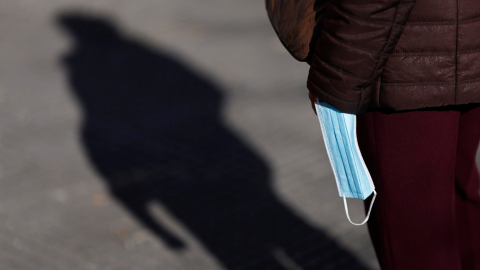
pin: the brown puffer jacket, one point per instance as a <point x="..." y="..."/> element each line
<point x="397" y="54"/>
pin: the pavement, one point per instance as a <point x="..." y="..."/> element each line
<point x="166" y="135"/>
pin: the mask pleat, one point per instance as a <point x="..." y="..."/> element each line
<point x="334" y="148"/>
<point x="337" y="132"/>
<point x="351" y="151"/>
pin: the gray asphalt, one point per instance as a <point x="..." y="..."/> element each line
<point x="185" y="140"/>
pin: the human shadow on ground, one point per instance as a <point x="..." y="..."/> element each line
<point x="153" y="129"/>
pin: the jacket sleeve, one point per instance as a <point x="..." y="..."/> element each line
<point x="356" y="40"/>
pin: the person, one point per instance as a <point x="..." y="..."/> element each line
<point x="410" y="71"/>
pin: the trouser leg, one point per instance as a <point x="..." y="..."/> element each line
<point x="411" y="157"/>
<point x="467" y="202"/>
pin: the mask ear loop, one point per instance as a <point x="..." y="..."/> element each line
<point x="369" y="210"/>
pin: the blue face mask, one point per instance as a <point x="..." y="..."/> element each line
<point x="340" y="137"/>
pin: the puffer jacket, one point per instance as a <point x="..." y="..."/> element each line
<point x="397" y="54"/>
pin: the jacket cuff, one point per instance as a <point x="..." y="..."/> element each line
<point x="346" y="106"/>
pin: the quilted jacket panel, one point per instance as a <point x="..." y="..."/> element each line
<point x="397" y="54"/>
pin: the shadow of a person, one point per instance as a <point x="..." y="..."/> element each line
<point x="153" y="130"/>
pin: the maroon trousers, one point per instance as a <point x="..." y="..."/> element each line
<point x="427" y="212"/>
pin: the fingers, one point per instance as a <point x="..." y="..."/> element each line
<point x="313" y="99"/>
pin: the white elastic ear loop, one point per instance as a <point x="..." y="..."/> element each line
<point x="369" y="210"/>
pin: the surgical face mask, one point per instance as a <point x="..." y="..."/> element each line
<point x="340" y="137"/>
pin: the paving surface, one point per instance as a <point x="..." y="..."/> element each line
<point x="165" y="135"/>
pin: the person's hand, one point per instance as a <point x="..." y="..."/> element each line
<point x="313" y="99"/>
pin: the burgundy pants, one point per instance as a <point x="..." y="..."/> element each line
<point x="427" y="212"/>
